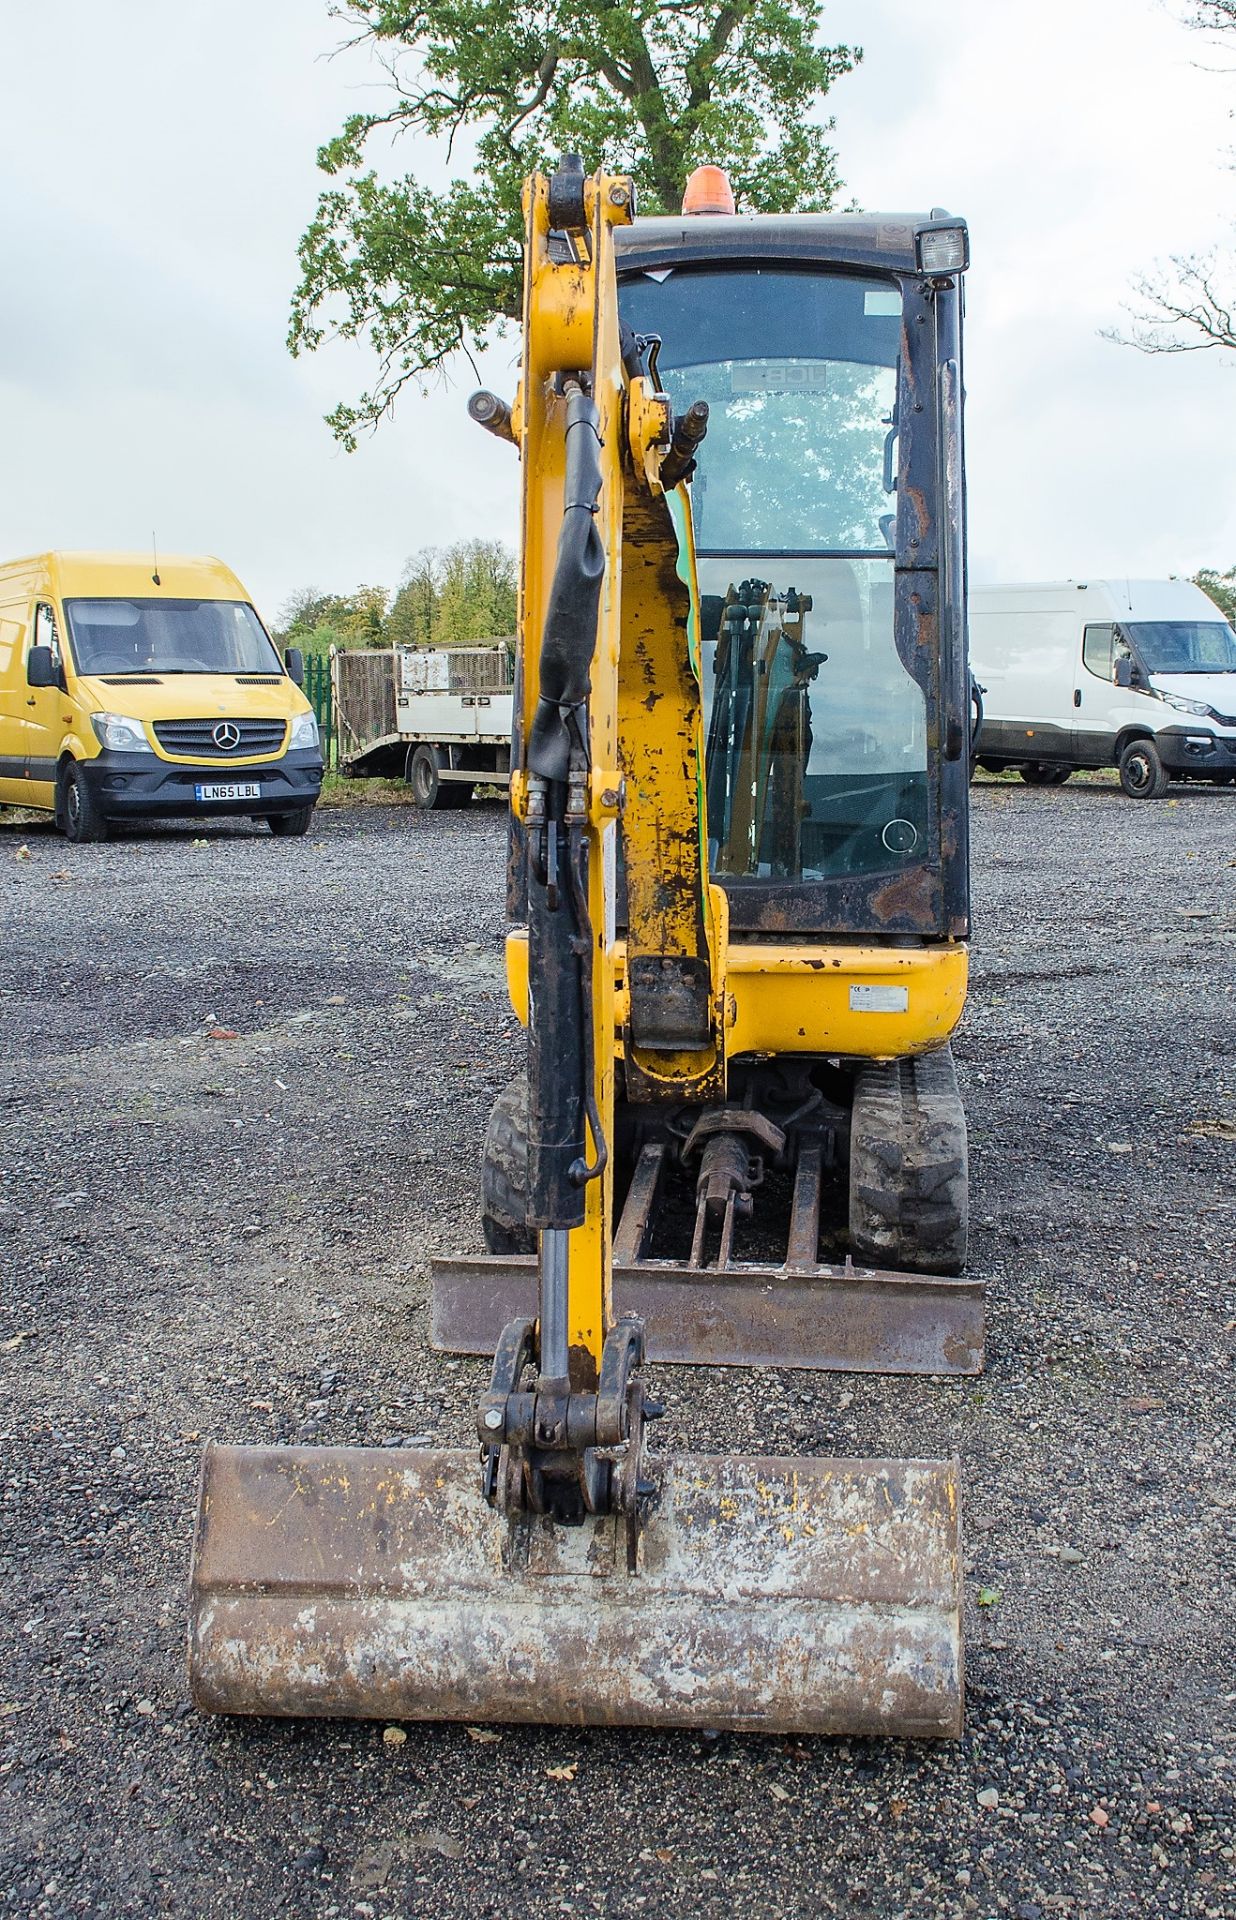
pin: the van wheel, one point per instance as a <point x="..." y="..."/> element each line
<point x="1043" y="773"/>
<point x="286" y="826"/>
<point x="77" y="809"/>
<point x="1142" y="774"/>
<point x="423" y="778"/>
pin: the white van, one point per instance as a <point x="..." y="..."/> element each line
<point x="1134" y="674"/>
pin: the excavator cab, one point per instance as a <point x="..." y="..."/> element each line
<point x="738" y="903"/>
<point x="832" y="631"/>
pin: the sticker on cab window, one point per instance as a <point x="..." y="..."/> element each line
<point x="779" y="376"/>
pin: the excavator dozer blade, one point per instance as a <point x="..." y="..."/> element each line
<point x="843" y="1319"/>
<point x="772" y="1595"/>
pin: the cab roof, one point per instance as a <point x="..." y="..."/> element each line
<point x="82" y="575"/>
<point x="882" y="241"/>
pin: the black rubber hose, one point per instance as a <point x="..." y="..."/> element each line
<point x="570" y="636"/>
<point x="582" y="1171"/>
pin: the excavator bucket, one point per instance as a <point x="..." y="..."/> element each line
<point x="770" y="1595"/>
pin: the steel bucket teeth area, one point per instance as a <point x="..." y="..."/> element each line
<point x="773" y="1595"/>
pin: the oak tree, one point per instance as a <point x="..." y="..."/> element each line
<point x="499" y="88"/>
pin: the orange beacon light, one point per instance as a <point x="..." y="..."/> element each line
<point x="708" y="191"/>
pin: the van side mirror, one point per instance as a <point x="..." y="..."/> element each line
<point x="1124" y="673"/>
<point x="294" y="661"/>
<point x="41" y="668"/>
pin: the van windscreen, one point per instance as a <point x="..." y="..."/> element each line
<point x="168" y="636"/>
<point x="1184" y="646"/>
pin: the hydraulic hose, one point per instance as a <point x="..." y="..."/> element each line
<point x="570" y="636"/>
<point x="583" y="1171"/>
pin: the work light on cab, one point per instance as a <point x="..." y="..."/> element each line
<point x="944" y="249"/>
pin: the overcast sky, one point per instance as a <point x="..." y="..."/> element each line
<point x="159" y="168"/>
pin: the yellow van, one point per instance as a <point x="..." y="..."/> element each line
<point x="136" y="689"/>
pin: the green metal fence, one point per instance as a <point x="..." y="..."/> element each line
<point x="320" y="695"/>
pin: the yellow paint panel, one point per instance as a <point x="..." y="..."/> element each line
<point x="809" y="999"/>
<point x="797" y="998"/>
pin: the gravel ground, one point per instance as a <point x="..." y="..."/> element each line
<point x="230" y="1236"/>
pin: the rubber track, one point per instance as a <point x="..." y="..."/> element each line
<point x="504" y="1173"/>
<point x="909" y="1184"/>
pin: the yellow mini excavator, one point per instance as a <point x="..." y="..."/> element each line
<point x="739" y="900"/>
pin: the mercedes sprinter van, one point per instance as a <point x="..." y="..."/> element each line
<point x="132" y="689"/>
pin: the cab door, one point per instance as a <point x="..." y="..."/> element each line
<point x="44" y="707"/>
<point x="13" y="693"/>
<point x="1094" y="695"/>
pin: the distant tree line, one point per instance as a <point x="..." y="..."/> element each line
<point x="446" y="597"/>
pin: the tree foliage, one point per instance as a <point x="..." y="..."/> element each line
<point x="1211" y="16"/>
<point x="647" y="87"/>
<point x="316" y="621"/>
<point x="411" y="619"/>
<point x="450" y="597"/>
<point x="1221" y="587"/>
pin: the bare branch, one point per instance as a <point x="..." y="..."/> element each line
<point x="1184" y="310"/>
<point x="545" y="76"/>
<point x="1186" y="313"/>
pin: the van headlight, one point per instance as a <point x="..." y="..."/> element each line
<point x="122" y="735"/>
<point x="304" y="731"/>
<point x="1182" y="705"/>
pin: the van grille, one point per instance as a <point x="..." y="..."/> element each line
<point x="195" y="739"/>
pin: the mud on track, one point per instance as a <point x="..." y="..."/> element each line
<point x="230" y="1236"/>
